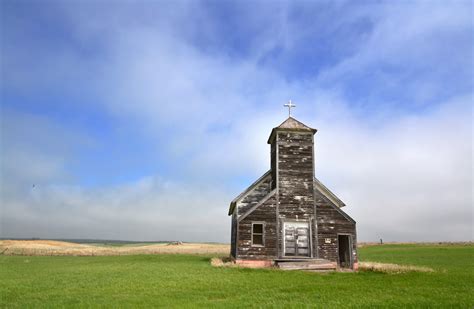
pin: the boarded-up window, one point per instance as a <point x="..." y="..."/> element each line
<point x="257" y="234"/>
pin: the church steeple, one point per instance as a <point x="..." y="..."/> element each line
<point x="291" y="151"/>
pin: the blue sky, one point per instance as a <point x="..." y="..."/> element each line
<point x="142" y="120"/>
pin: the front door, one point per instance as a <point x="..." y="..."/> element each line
<point x="297" y="239"/>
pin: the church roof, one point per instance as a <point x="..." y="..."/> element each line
<point x="290" y="124"/>
<point x="318" y="185"/>
<point x="249" y="189"/>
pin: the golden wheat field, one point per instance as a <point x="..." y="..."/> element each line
<point x="53" y="247"/>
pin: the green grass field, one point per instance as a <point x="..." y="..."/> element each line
<point x="190" y="281"/>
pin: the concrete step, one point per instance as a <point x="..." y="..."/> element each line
<point x="305" y="264"/>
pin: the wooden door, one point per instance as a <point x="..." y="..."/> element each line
<point x="297" y="239"/>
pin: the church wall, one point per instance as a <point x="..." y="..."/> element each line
<point x="264" y="213"/>
<point x="331" y="223"/>
<point x="295" y="174"/>
<point x="233" y="235"/>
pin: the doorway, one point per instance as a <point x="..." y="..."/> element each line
<point x="344" y="251"/>
<point x="297" y="239"/>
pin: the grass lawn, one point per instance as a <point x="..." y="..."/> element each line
<point x="187" y="281"/>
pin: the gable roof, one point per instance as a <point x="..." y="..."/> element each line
<point x="334" y="201"/>
<point x="244" y="193"/>
<point x="263" y="200"/>
<point x="290" y="124"/>
<point x="327" y="193"/>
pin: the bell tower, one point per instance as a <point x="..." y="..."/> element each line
<point x="292" y="160"/>
<point x="292" y="169"/>
<point x="287" y="217"/>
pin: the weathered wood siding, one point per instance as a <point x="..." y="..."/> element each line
<point x="295" y="180"/>
<point x="254" y="196"/>
<point x="330" y="223"/>
<point x="264" y="213"/>
<point x="233" y="236"/>
<point x="273" y="165"/>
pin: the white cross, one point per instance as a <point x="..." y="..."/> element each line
<point x="289" y="105"/>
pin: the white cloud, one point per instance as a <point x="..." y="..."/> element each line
<point x="410" y="179"/>
<point x="404" y="176"/>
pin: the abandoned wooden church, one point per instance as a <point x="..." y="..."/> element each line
<point x="288" y="218"/>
